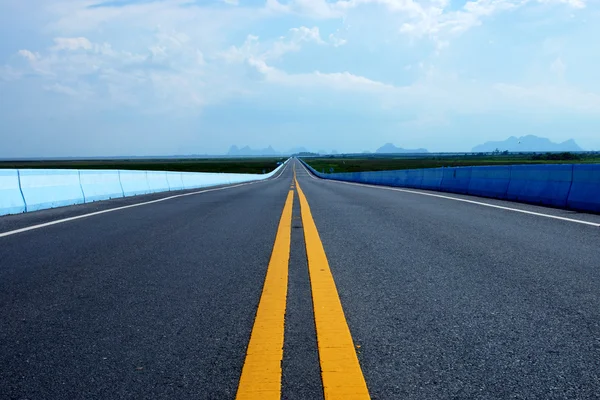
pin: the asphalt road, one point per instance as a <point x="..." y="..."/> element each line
<point x="444" y="299"/>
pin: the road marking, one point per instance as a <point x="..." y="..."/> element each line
<point x="340" y="370"/>
<point x="578" y="221"/>
<point x="60" y="221"/>
<point x="261" y="374"/>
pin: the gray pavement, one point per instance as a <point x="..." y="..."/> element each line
<point x="447" y="300"/>
<point x="451" y="300"/>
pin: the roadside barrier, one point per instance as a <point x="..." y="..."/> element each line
<point x="585" y="190"/>
<point x="100" y="185"/>
<point x="414" y="178"/>
<point x="134" y="182"/>
<point x="456" y="180"/>
<point x="48" y="188"/>
<point x="157" y="181"/>
<point x="432" y="178"/>
<point x="175" y="180"/>
<point x="11" y="198"/>
<point x="27" y="190"/>
<point x="490" y="181"/>
<point x="575" y="187"/>
<point x="540" y="184"/>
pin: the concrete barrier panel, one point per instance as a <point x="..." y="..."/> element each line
<point x="134" y="182"/>
<point x="100" y="185"/>
<point x="432" y="178"/>
<point x="157" y="181"/>
<point x="231" y="179"/>
<point x="540" y="184"/>
<point x="414" y="178"/>
<point x="175" y="181"/>
<point x="400" y="178"/>
<point x="11" y="200"/>
<point x="50" y="188"/>
<point x="368" y="177"/>
<point x="585" y="191"/>
<point x="387" y="178"/>
<point x="190" y="180"/>
<point x="456" y="180"/>
<point x="490" y="181"/>
<point x="198" y="180"/>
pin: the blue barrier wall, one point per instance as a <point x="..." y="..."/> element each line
<point x="585" y="190"/>
<point x="46" y="188"/>
<point x="414" y="178"/>
<point x="432" y="178"/>
<point x="100" y="185"/>
<point x="540" y="184"/>
<point x="11" y="199"/>
<point x="570" y="186"/>
<point x="490" y="181"/>
<point x="456" y="180"/>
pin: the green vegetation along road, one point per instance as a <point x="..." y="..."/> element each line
<point x="230" y="165"/>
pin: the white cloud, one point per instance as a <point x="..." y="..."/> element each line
<point x="319" y="9"/>
<point x="294" y="43"/>
<point x="304" y="34"/>
<point x="336" y="41"/>
<point x="572" y="3"/>
<point x="343" y="81"/>
<point x="238" y="54"/>
<point x="425" y="18"/>
<point x="254" y="48"/>
<point x="169" y="75"/>
<point x="30" y="56"/>
<point x="72" y="44"/>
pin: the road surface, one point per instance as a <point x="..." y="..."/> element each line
<point x="443" y="298"/>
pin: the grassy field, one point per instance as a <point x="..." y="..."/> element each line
<point x="393" y="162"/>
<point x="230" y="165"/>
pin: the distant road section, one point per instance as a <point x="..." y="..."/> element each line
<point x="432" y="296"/>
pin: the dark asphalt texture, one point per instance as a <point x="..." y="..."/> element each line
<point x="447" y="300"/>
<point x="450" y="300"/>
<point x="152" y="302"/>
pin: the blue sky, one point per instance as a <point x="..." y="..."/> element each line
<point x="93" y="78"/>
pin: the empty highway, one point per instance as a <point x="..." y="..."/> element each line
<point x="300" y="288"/>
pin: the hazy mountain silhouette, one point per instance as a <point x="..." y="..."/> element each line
<point x="527" y="143"/>
<point x="247" y="151"/>
<point x="389" y="148"/>
<point x="297" y="150"/>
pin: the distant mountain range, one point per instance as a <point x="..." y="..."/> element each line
<point x="235" y="151"/>
<point x="529" y="143"/>
<point x="389" y="148"/>
<point x="247" y="151"/>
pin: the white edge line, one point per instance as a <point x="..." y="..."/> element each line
<point x="60" y="221"/>
<point x="578" y="221"/>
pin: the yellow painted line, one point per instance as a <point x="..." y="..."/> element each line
<point x="261" y="374"/>
<point x="340" y="370"/>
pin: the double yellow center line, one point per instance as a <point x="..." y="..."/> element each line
<point x="340" y="370"/>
